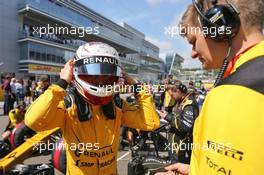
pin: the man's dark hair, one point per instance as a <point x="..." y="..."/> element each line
<point x="44" y="78"/>
<point x="180" y="87"/>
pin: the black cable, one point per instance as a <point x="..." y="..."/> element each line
<point x="224" y="65"/>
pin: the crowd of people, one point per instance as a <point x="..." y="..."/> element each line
<point x="21" y="92"/>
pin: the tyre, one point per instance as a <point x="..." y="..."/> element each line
<point x="59" y="157"/>
<point x="19" y="134"/>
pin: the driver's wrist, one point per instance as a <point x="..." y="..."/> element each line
<point x="62" y="83"/>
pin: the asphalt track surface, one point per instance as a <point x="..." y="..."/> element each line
<point x="123" y="156"/>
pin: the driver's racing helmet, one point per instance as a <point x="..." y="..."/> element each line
<point x="96" y="71"/>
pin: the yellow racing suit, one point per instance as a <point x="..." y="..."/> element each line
<point x="91" y="145"/>
<point x="228" y="134"/>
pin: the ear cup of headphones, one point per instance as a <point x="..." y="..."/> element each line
<point x="222" y="21"/>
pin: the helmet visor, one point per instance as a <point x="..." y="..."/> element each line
<point x="98" y="69"/>
<point x="98" y="65"/>
<point x="99" y="80"/>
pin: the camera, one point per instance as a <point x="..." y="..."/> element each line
<point x="146" y="165"/>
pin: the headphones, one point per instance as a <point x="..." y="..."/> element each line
<point x="182" y="88"/>
<point x="221" y="21"/>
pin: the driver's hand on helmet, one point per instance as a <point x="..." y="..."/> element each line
<point x="128" y="79"/>
<point x="163" y="114"/>
<point x="67" y="72"/>
<point x="176" y="169"/>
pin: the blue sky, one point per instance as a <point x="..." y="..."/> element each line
<point x="151" y="17"/>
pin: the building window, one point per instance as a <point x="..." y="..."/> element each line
<point x="39" y="52"/>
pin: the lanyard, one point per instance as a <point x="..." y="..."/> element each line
<point x="184" y="98"/>
<point x="234" y="60"/>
